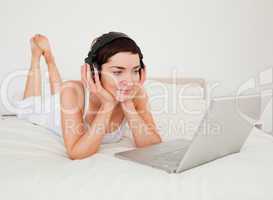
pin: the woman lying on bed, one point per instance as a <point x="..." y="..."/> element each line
<point x="93" y="109"/>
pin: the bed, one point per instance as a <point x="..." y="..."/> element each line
<point x="34" y="165"/>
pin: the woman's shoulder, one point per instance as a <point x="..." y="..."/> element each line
<point x="75" y="90"/>
<point x="73" y="82"/>
<point x="72" y="91"/>
<point x="72" y="85"/>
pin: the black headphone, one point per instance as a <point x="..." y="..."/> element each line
<point x="101" y="42"/>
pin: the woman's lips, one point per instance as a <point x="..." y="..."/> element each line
<point x="125" y="91"/>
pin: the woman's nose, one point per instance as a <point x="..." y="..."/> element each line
<point x="125" y="83"/>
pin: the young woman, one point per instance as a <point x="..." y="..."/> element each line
<point x="93" y="110"/>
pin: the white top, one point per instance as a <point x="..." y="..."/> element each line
<point x="46" y="112"/>
<point x="114" y="136"/>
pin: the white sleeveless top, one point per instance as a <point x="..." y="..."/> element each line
<point x="46" y="112"/>
<point x="114" y="136"/>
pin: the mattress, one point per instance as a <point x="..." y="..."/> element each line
<point x="34" y="165"/>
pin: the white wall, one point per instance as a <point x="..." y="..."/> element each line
<point x="227" y="41"/>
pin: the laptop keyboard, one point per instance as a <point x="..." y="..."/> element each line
<point x="170" y="157"/>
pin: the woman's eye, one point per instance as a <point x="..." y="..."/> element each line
<point x="117" y="73"/>
<point x="136" y="71"/>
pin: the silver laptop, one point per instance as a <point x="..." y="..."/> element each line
<point x="222" y="131"/>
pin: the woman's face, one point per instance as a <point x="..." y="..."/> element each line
<point x="120" y="75"/>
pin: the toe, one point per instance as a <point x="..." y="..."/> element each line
<point x="31" y="40"/>
<point x="36" y="36"/>
<point x="34" y="39"/>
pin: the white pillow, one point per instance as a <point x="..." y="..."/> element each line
<point x="176" y="113"/>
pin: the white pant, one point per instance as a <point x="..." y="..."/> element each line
<point x="41" y="110"/>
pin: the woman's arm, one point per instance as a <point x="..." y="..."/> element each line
<point x="141" y="122"/>
<point x="81" y="143"/>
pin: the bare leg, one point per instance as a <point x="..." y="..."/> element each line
<point x="54" y="75"/>
<point x="33" y="82"/>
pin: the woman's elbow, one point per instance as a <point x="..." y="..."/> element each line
<point x="79" y="156"/>
<point x="155" y="139"/>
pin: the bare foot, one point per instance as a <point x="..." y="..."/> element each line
<point x="43" y="43"/>
<point x="35" y="50"/>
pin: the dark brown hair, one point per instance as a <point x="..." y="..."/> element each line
<point x="116" y="46"/>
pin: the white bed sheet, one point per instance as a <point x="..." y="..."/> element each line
<point x="34" y="165"/>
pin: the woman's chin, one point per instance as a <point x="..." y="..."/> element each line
<point x="124" y="97"/>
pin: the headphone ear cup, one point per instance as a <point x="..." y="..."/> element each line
<point x="141" y="67"/>
<point x="142" y="64"/>
<point x="93" y="72"/>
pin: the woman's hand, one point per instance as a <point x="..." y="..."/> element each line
<point x="96" y="88"/>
